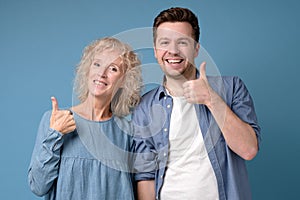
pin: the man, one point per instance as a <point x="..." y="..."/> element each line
<point x="193" y="133"/>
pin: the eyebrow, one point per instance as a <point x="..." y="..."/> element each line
<point x="163" y="38"/>
<point x="110" y="63"/>
<point x="97" y="59"/>
<point x="115" y="64"/>
<point x="180" y="38"/>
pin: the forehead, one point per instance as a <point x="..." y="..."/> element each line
<point x="108" y="56"/>
<point x="174" y="29"/>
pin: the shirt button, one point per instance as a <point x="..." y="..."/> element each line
<point x="161" y="176"/>
<point x="165" y="130"/>
<point x="165" y="154"/>
<point x="165" y="98"/>
<point x="168" y="106"/>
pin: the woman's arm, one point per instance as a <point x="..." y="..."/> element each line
<point x="44" y="165"/>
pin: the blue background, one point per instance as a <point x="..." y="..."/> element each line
<point x="41" y="42"/>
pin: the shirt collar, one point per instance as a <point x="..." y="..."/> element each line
<point x="161" y="92"/>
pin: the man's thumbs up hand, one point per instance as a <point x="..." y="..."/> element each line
<point x="198" y="91"/>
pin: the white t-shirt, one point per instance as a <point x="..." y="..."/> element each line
<point x="189" y="174"/>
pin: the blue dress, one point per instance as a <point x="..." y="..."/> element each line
<point x="92" y="162"/>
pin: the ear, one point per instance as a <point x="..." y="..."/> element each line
<point x="154" y="49"/>
<point x="197" y="48"/>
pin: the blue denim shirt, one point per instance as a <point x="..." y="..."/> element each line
<point x="92" y="162"/>
<point x="152" y="120"/>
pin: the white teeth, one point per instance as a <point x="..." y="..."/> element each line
<point x="174" y="61"/>
<point x="99" y="83"/>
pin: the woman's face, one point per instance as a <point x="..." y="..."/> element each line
<point x="106" y="74"/>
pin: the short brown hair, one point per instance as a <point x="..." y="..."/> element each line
<point x="177" y="14"/>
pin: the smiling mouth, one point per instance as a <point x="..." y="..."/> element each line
<point x="97" y="82"/>
<point x="174" y="61"/>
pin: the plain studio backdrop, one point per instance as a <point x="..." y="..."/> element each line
<point x="41" y="42"/>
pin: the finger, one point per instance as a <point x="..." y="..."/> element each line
<point x="70" y="129"/>
<point x="66" y="117"/>
<point x="70" y="126"/>
<point x="63" y="116"/>
<point x="54" y="104"/>
<point x="70" y="111"/>
<point x="63" y="121"/>
<point x="186" y="95"/>
<point x="187" y="84"/>
<point x="203" y="70"/>
<point x="66" y="112"/>
<point x="70" y="119"/>
<point x="186" y="91"/>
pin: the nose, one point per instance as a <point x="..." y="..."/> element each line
<point x="173" y="48"/>
<point x="103" y="75"/>
<point x="102" y="72"/>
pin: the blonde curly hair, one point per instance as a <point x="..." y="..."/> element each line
<point x="128" y="95"/>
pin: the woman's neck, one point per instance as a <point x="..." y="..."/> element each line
<point x="94" y="109"/>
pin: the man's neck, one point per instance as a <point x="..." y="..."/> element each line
<point x="175" y="85"/>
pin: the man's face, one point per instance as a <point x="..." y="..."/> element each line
<point x="175" y="49"/>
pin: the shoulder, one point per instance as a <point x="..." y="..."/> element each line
<point x="152" y="93"/>
<point x="226" y="80"/>
<point x="149" y="98"/>
<point x="46" y="116"/>
<point x="228" y="87"/>
<point x="123" y="124"/>
<point x="227" y="83"/>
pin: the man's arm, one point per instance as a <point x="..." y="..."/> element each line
<point x="146" y="190"/>
<point x="239" y="135"/>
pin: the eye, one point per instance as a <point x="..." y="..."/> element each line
<point x="183" y="43"/>
<point x="96" y="64"/>
<point x="113" y="68"/>
<point x="163" y="43"/>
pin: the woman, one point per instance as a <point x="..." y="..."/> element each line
<point x="85" y="152"/>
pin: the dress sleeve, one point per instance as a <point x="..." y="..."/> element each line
<point x="44" y="165"/>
